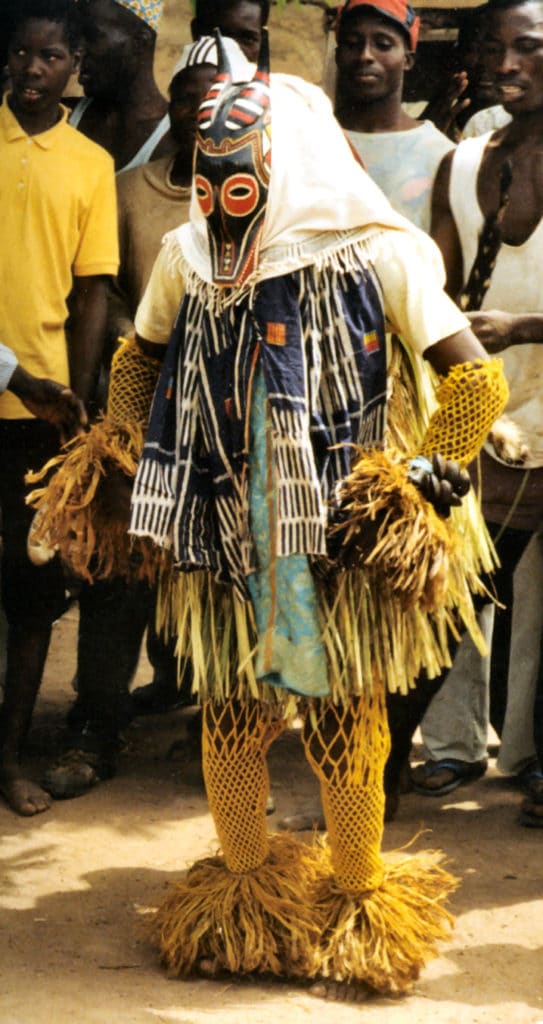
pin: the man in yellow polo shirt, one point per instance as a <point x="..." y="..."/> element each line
<point x="59" y="235"/>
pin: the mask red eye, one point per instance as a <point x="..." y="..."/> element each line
<point x="204" y="194"/>
<point x="239" y="195"/>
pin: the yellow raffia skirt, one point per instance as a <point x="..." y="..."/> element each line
<point x="367" y="625"/>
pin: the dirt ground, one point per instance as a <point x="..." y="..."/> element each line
<point x="76" y="882"/>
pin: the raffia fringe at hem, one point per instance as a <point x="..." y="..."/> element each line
<point x="253" y="922"/>
<point x="384" y="937"/>
<point x="364" y="631"/>
<point x="289" y="918"/>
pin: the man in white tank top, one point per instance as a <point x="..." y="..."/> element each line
<point x="511" y="320"/>
<point x="123" y="109"/>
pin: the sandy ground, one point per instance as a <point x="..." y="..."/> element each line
<point x="75" y="884"/>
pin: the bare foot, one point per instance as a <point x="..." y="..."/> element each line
<point x="23" y="796"/>
<point x="341" y="991"/>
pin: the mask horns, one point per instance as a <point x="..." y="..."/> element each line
<point x="222" y="80"/>
<point x="263" y="67"/>
<point x="251" y="103"/>
<point x="224" y="70"/>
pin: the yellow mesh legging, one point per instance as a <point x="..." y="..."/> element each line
<point x="347" y="747"/>
<point x="471" y="397"/>
<point x="335" y="909"/>
<point x="236" y="737"/>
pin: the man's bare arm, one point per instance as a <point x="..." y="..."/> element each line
<point x="443" y="228"/>
<point x="151" y="348"/>
<point x="87" y="333"/>
<point x="462" y="347"/>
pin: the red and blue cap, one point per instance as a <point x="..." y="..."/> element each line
<point x="398" y="11"/>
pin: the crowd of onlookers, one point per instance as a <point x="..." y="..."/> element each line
<point x="74" y="272"/>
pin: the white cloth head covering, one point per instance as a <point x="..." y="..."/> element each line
<point x="204" y="51"/>
<point x="320" y="197"/>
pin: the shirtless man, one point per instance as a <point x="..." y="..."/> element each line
<point x="123" y="109"/>
<point x="467" y="191"/>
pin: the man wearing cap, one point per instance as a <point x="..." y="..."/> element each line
<point x="376" y="45"/>
<point x="155" y="198"/>
<point x="152" y="200"/>
<point x="123" y="109"/>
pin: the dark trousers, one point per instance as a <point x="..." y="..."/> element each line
<point x="538" y="713"/>
<point x="113" y="617"/>
<point x="30" y="593"/>
<point x="405" y="713"/>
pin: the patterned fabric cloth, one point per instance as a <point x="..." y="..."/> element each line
<point x="321" y="340"/>
<point x="290" y="650"/>
<point x="149" y="11"/>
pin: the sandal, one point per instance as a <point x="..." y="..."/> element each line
<point x="436" y="778"/>
<point x="75" y="773"/>
<point x="531" y="814"/>
<point x="530" y="780"/>
<point x="531" y="810"/>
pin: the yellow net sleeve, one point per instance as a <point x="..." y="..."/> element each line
<point x="132" y="384"/>
<point x="471" y="397"/>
